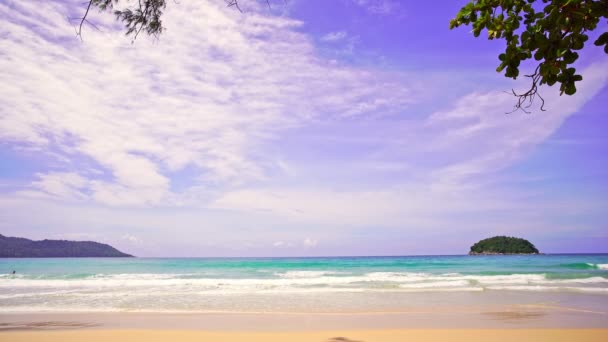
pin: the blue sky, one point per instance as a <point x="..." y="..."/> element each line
<point x="347" y="127"/>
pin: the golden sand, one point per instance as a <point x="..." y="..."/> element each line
<point x="418" y="335"/>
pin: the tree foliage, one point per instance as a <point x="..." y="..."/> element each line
<point x="503" y="245"/>
<point x="142" y="15"/>
<point x="13" y="247"/>
<point x="551" y="35"/>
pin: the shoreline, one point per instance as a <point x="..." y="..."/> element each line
<point x="361" y="303"/>
<point x="538" y="316"/>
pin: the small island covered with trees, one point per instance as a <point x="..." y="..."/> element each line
<point x="499" y="245"/>
<point x="14" y="247"/>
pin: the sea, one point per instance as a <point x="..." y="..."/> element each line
<point x="319" y="284"/>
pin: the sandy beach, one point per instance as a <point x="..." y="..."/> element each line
<point x="454" y="335"/>
<point x="531" y="324"/>
<point x="573" y="320"/>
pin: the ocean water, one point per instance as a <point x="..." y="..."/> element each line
<point x="291" y="284"/>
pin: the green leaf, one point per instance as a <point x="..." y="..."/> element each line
<point x="577" y="44"/>
<point x="570" y="57"/>
<point x="570" y="90"/>
<point x="602" y="40"/>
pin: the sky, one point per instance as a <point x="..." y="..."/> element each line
<point x="311" y="128"/>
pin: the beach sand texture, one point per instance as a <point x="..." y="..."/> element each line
<point x="436" y="335"/>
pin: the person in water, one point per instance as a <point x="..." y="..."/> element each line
<point x="14" y="272"/>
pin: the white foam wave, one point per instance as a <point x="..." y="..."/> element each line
<point x="505" y="279"/>
<point x="305" y="274"/>
<point x="437" y="284"/>
<point x="598" y="266"/>
<point x="10" y="275"/>
<point x="550" y="288"/>
<point x="158" y="292"/>
<point x="37" y="294"/>
<point x="310" y="281"/>
<point x="592" y="280"/>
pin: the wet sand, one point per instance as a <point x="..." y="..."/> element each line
<point x="529" y="316"/>
<point x="526" y="322"/>
<point x="453" y="335"/>
<point x="457" y="324"/>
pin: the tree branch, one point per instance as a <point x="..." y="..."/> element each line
<point x="144" y="16"/>
<point x="233" y="3"/>
<point x="84" y="19"/>
<point x="525" y="100"/>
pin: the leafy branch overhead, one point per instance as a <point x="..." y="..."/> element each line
<point x="550" y="31"/>
<point x="145" y="15"/>
<point x="551" y="35"/>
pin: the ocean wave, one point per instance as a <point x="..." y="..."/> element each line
<point x="34" y="294"/>
<point x="591" y="280"/>
<point x="587" y="265"/>
<point x="579" y="266"/>
<point x="436" y="284"/>
<point x="292" y="280"/>
<point x="550" y="288"/>
<point x="306" y="274"/>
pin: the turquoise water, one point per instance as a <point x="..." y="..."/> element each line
<point x="228" y="284"/>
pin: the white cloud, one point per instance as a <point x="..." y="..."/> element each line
<point x="493" y="139"/>
<point x="215" y="87"/>
<point x="282" y="244"/>
<point x="132" y="239"/>
<point x="59" y="185"/>
<point x="334" y="36"/>
<point x="445" y="161"/>
<point x="380" y="7"/>
<point x="212" y="93"/>
<point x="310" y="243"/>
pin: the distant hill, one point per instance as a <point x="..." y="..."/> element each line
<point x="503" y="245"/>
<point x="13" y="247"/>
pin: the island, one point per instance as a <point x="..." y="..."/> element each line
<point x="503" y="245"/>
<point x="14" y="247"/>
